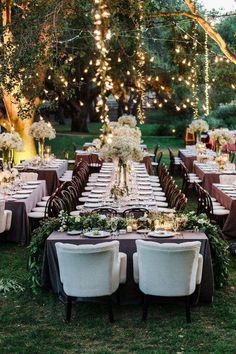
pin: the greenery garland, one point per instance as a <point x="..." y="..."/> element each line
<point x="219" y="249"/>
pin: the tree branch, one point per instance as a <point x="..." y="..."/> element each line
<point x="204" y="24"/>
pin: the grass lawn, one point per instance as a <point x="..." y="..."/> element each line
<point x="34" y="323"/>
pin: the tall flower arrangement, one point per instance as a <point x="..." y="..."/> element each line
<point x="8" y="143"/>
<point x="42" y="130"/>
<point x="222" y="137"/>
<point x="197" y="127"/>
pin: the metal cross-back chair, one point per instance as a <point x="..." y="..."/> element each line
<point x="135" y="212"/>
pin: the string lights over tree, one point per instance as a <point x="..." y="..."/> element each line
<point x="102" y="77"/>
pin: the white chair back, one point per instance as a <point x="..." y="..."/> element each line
<point x="29" y="176"/>
<point x="227" y="179"/>
<point x="167" y="269"/>
<point x="2" y="206"/>
<point x="89" y="270"/>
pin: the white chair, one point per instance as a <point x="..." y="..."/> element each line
<point x="91" y="271"/>
<point x="5" y="217"/>
<point x="168" y="269"/>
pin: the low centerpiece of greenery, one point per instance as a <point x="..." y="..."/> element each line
<point x="65" y="222"/>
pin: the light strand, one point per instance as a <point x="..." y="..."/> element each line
<point x="207" y="103"/>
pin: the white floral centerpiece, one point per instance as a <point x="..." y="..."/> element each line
<point x="8" y="143"/>
<point x="123" y="149"/>
<point x="222" y="136"/>
<point x="128" y="119"/>
<point x="197" y="127"/>
<point x="42" y="130"/>
<point x="8" y="176"/>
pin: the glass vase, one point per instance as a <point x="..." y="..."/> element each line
<point x="198" y="137"/>
<point x="218" y="149"/>
<point x="8" y="157"/>
<point x="41" y="148"/>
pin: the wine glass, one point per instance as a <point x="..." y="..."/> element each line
<point x="114" y="223"/>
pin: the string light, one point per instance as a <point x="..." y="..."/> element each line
<point x="140" y="63"/>
<point x="193" y="74"/>
<point x="207" y="105"/>
<point x="102" y="35"/>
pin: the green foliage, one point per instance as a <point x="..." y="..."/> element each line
<point x="219" y="249"/>
<point x="36" y="248"/>
<point x="9" y="285"/>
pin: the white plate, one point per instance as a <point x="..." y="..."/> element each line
<point x="98" y="191"/>
<point x="92" y="205"/>
<point x="34" y="182"/>
<point x="20" y="196"/>
<point x="143" y="231"/>
<point x="74" y="232"/>
<point x="160" y="234"/>
<point x="97" y="234"/>
<point x="145" y="188"/>
<point x="23" y="191"/>
<point x="29" y="187"/>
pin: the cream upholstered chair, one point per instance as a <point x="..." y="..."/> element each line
<point x="168" y="269"/>
<point x="91" y="271"/>
<point x="5" y="217"/>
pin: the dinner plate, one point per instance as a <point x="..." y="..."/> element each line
<point x="74" y="232"/>
<point x="145" y="188"/>
<point x="161" y="234"/>
<point x="97" y="234"/>
<point x="143" y="231"/>
<point x="98" y="191"/>
<point x="20" y="196"/>
<point x="92" y="205"/>
<point x="33" y="182"/>
<point x="23" y="191"/>
<point x="29" y="187"/>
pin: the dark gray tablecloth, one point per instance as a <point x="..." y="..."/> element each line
<point x="129" y="291"/>
<point x="19" y="231"/>
<point x="229" y="228"/>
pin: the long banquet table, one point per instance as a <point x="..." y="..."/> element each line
<point x="51" y="174"/>
<point x="189" y="155"/>
<point x="50" y="278"/>
<point x="81" y="155"/>
<point x="209" y="176"/>
<point x="229" y="202"/>
<point x="19" y="231"/>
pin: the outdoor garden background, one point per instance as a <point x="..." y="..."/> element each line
<point x="166" y="70"/>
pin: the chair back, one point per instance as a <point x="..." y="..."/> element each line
<point x="89" y="270"/>
<point x="167" y="269"/>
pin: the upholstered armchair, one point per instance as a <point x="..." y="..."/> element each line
<point x="5" y="217"/>
<point x="91" y="271"/>
<point x="168" y="270"/>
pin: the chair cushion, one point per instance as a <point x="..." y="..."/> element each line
<point x="42" y="204"/>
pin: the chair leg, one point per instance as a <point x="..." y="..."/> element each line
<point x="188" y="309"/>
<point x="118" y="295"/>
<point x="145" y="307"/>
<point x="68" y="308"/>
<point x="110" y="309"/>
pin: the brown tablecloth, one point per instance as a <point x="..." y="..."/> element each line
<point x="129" y="291"/>
<point x="208" y="178"/>
<point x="19" y="231"/>
<point x="228" y="202"/>
<point x="51" y="175"/>
<point x="187" y="160"/>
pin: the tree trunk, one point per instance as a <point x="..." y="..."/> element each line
<point x="79" y="122"/>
